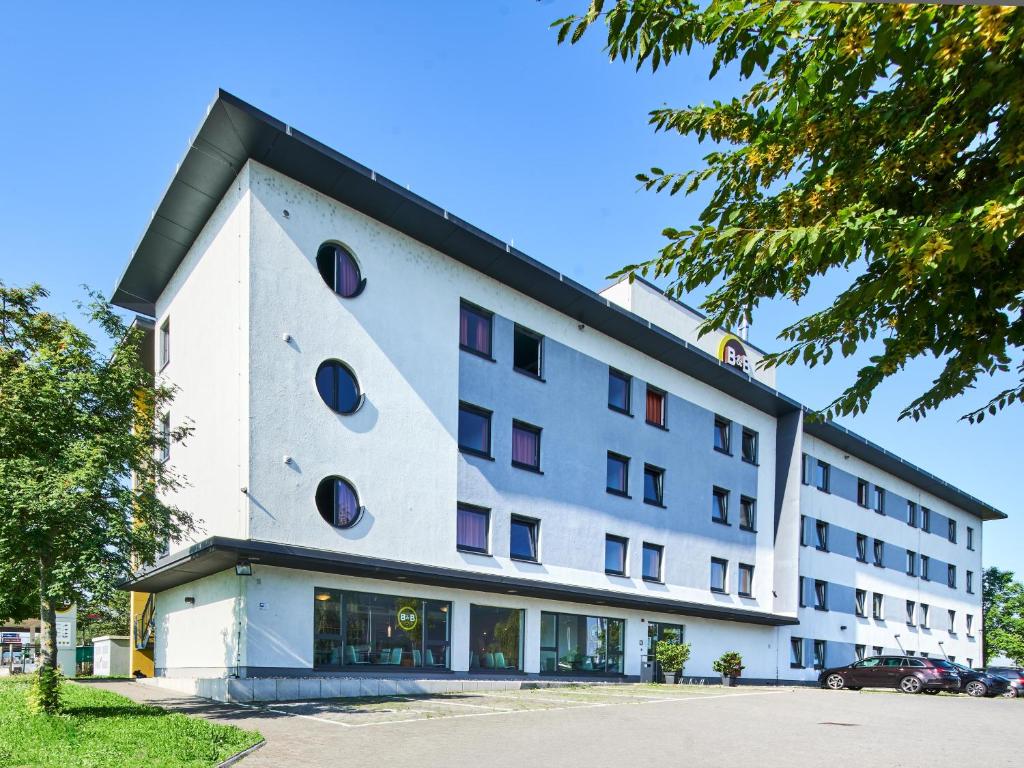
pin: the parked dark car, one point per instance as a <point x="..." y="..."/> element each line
<point x="1016" y="677"/>
<point x="910" y="674"/>
<point x="977" y="682"/>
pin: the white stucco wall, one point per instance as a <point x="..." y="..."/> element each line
<point x="204" y="638"/>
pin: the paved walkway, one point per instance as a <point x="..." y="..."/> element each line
<point x="615" y="725"/>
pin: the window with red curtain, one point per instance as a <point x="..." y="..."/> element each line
<point x="472" y="528"/>
<point x="475" y="330"/>
<point x="655" y="407"/>
<point x="525" y="445"/>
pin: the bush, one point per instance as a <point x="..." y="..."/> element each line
<point x="671" y="656"/>
<point x="44" y="691"/>
<point x="729" y="664"/>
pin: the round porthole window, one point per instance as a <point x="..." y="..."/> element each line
<point x="337" y="502"/>
<point x="339" y="270"/>
<point x="338" y="387"/>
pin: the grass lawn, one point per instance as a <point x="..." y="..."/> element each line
<point x="99" y="729"/>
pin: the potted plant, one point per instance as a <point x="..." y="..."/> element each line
<point x="729" y="665"/>
<point x="672" y="657"/>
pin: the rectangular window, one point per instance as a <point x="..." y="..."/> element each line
<point x="862" y="547"/>
<point x="805" y="469"/>
<point x="796" y="652"/>
<point x="749" y="446"/>
<point x="527" y="351"/>
<point x="859" y="650"/>
<point x="615" y="555"/>
<point x="860" y="598"/>
<point x="877" y="606"/>
<point x="719" y="574"/>
<point x="880" y="553"/>
<point x="911" y="612"/>
<point x="803" y="530"/>
<point x="655" y="406"/>
<point x="925" y="562"/>
<point x="970" y="582"/>
<point x="748" y="513"/>
<point x="970" y="538"/>
<point x="819" y="654"/>
<point x="618" y="474"/>
<point x="495" y="639"/>
<point x="571" y="644"/>
<point x="951" y="576"/>
<point x="652" y="562"/>
<point x="952" y="531"/>
<point x="471" y="533"/>
<point x="876" y="650"/>
<point x="619" y="386"/>
<point x="475" y="330"/>
<point x="746" y="575"/>
<point x="474" y="430"/>
<point x="952" y="622"/>
<point x="525" y="446"/>
<point x="165" y="343"/>
<point x="822" y="476"/>
<point x="970" y="625"/>
<point x="821" y="536"/>
<point x="800" y="591"/>
<point x="523" y="538"/>
<point x="723" y="428"/>
<point x="911" y="563"/>
<point x="720" y="505"/>
<point x="820" y="595"/>
<point x="164" y="449"/>
<point x="926" y="519"/>
<point x="911" y="514"/>
<point x="880" y="500"/>
<point x="862" y="492"/>
<point x="654" y="485"/>
<point x="924" y="616"/>
<point x="363" y="630"/>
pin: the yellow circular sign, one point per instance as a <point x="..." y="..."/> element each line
<point x="732" y="352"/>
<point x="408" y="618"/>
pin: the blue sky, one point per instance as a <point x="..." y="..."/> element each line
<point x="471" y="104"/>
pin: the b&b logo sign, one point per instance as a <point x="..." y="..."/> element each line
<point x="408" y="618"/>
<point x="732" y="352"/>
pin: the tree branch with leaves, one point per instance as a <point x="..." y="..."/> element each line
<point x="880" y="140"/>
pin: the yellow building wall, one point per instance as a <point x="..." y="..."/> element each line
<point x="142" y="660"/>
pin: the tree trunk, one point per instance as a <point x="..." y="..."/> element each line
<point x="48" y="620"/>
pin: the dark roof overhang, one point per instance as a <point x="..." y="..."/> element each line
<point x="234" y="132"/>
<point x="218" y="554"/>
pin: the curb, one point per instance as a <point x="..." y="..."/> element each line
<point x="244" y="753"/>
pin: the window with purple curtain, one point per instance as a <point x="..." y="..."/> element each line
<point x="471" y="533"/>
<point x="525" y="445"/>
<point x="339" y="270"/>
<point x="337" y="502"/>
<point x="475" y="330"/>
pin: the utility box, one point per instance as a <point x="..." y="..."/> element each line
<point x="111" y="656"/>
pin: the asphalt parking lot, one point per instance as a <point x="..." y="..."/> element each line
<point x="597" y="726"/>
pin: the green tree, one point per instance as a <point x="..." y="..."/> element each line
<point x="1002" y="603"/>
<point x="881" y="140"/>
<point x="76" y="427"/>
<point x="109" y="614"/>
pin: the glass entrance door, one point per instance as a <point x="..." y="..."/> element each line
<point x="656" y="632"/>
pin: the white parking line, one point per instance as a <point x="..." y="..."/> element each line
<point x="445" y="702"/>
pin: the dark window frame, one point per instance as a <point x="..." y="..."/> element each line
<point x="521" y="330"/>
<point x="970" y="538"/>
<point x="337" y="247"/>
<point x="862" y="553"/>
<point x="911" y="613"/>
<point x="969" y="582"/>
<point x="925" y="566"/>
<point x="951" y="530"/>
<point x="471" y="408"/>
<point x="165" y="343"/>
<point x="628" y="381"/>
<point x="863" y="493"/>
<point x="716" y="494"/>
<point x="723" y="426"/>
<point x="748" y="502"/>
<point x="821" y="531"/>
<point x="611" y="537"/>
<point x="740" y="569"/>
<point x="796" y="653"/>
<point x="926" y="520"/>
<point x="533" y="524"/>
<point x="860" y="603"/>
<point x="483" y="314"/>
<point x="478" y="510"/>
<point x="951" y="575"/>
<point x="649" y="390"/>
<point x="879" y="505"/>
<point x="724" y="589"/>
<point x="624" y="492"/>
<point x="659" y="578"/>
<point x="744" y="434"/>
<point x="912" y="513"/>
<point x="820" y="595"/>
<point x="525" y="426"/>
<point x="911" y="563"/>
<point x="878" y="606"/>
<point x="878" y="551"/>
<point x="337" y="369"/>
<point x="820" y="659"/>
<point x="659" y="485"/>
<point x="164" y="446"/>
<point x="825" y="469"/>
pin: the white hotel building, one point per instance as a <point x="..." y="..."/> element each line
<point x="419" y="454"/>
